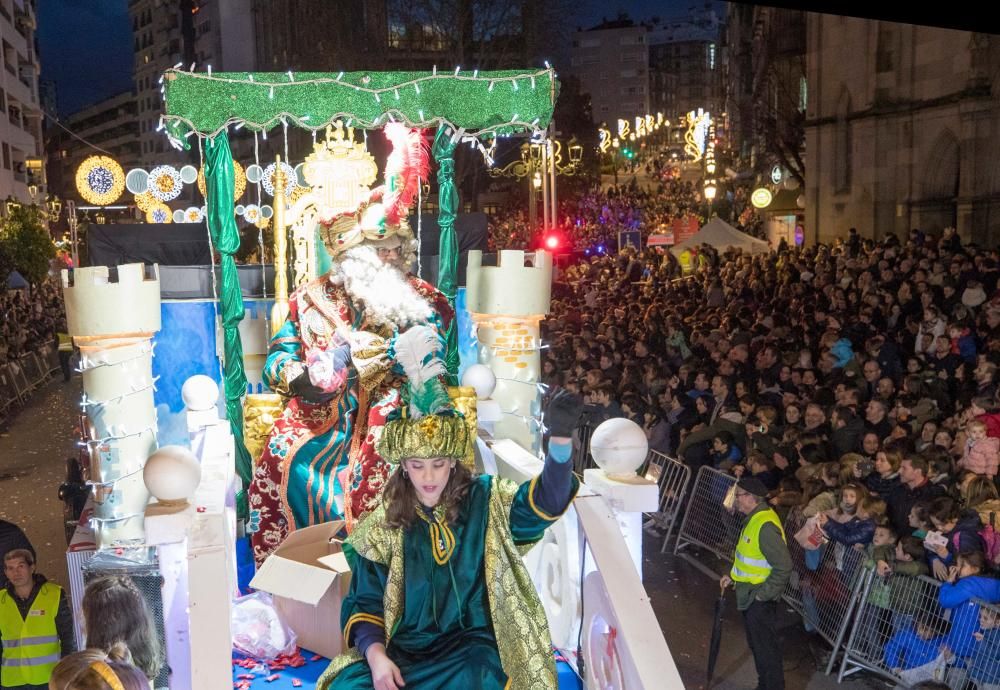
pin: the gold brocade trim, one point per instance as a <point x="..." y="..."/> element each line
<point x="522" y="631"/>
<point x="361" y="618"/>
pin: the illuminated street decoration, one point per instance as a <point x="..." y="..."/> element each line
<point x="697" y="132"/>
<point x="761" y="197"/>
<point x="623" y="129"/>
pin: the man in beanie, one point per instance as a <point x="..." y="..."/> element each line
<point x="761" y="568"/>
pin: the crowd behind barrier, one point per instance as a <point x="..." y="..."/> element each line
<point x="28" y="344"/>
<point x="857" y="381"/>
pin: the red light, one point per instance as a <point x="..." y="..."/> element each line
<point x="552" y="242"/>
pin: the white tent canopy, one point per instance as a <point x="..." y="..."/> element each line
<point x="721" y="235"/>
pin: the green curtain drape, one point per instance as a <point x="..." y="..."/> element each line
<point x="219" y="183"/>
<point x="444" y="152"/>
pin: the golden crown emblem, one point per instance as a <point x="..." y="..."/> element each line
<point x="340" y="170"/>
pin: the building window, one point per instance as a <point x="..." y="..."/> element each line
<point x="842" y="146"/>
<point x="711" y="56"/>
<point x="803" y="94"/>
<point x="884" y="53"/>
<point x="6" y="156"/>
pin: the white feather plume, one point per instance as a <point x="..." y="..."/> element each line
<point x="412" y="349"/>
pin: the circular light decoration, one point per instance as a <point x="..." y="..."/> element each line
<point x="239" y="176"/>
<point x="300" y="175"/>
<point x="268" y="179"/>
<point x="100" y="180"/>
<point x="761" y="197"/>
<point x="189" y="174"/>
<point x="165" y="182"/>
<point x="254" y="173"/>
<point x="251" y="213"/>
<point x="159" y="213"/>
<point x="137" y="181"/>
<point x="240" y="208"/>
<point x="178" y="216"/>
<point x="145" y="201"/>
<point x="777" y="174"/>
<point x="266" y="211"/>
<point x="192" y="215"/>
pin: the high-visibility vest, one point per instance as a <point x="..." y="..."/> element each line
<point x="65" y="342"/>
<point x="31" y="647"/>
<point x="750" y="565"/>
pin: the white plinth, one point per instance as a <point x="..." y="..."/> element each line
<point x="628" y="499"/>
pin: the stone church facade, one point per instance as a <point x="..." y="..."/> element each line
<point x="902" y="130"/>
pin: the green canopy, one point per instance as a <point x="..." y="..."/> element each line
<point x="481" y="103"/>
<point x="486" y="104"/>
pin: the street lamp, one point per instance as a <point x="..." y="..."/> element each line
<point x="536" y="181"/>
<point x="710" y="190"/>
<point x="55" y="208"/>
<point x="575" y="152"/>
<point x="33" y="192"/>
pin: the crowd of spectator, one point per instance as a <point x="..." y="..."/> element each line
<point x="857" y="381"/>
<point x="29" y="320"/>
<point x="593" y="219"/>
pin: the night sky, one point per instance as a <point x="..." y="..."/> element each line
<point x="86" y="45"/>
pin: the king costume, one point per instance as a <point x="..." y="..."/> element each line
<point x="452" y="601"/>
<point x="334" y="363"/>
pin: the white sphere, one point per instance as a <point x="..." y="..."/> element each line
<point x="200" y="393"/>
<point x="619" y="447"/>
<point x="172" y="474"/>
<point x="482" y="378"/>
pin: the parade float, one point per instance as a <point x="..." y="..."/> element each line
<point x="586" y="568"/>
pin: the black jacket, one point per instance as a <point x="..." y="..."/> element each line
<point x="901" y="500"/>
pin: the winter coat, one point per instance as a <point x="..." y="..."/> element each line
<point x="965" y="612"/>
<point x="982" y="457"/>
<point x="965" y="536"/>
<point x="992" y="422"/>
<point x="907" y="650"/>
<point x="901" y="500"/>
<point x="843" y="352"/>
<point x="854" y="531"/>
<point x="882" y="486"/>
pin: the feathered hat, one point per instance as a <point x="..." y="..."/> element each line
<point x="427" y="424"/>
<point x="383" y="214"/>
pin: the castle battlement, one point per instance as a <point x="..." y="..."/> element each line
<point x="511" y="288"/>
<point x="98" y="306"/>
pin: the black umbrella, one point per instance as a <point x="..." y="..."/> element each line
<point x="713" y="645"/>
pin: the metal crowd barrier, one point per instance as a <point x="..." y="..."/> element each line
<point x="824" y="587"/>
<point x="672" y="478"/>
<point x="906" y="631"/>
<point x="707" y="524"/>
<point x="21" y="377"/>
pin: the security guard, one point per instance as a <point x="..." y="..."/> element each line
<point x="761" y="568"/>
<point x="36" y="626"/>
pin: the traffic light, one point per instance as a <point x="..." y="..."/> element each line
<point x="628" y="153"/>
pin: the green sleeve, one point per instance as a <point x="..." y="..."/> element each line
<point x="284" y="356"/>
<point x="364" y="601"/>
<point x="527" y="520"/>
<point x="773" y="546"/>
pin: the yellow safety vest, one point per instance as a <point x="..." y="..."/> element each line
<point x="65" y="342"/>
<point x="31" y="647"/>
<point x="750" y="565"/>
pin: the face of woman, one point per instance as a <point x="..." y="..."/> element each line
<point x="793" y="414"/>
<point x="701" y="405"/>
<point x="942" y="439"/>
<point x="928" y="433"/>
<point x="882" y="464"/>
<point x="429" y="477"/>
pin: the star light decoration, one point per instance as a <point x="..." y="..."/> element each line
<point x="100" y="180"/>
<point x="159" y="213"/>
<point x="165" y="183"/>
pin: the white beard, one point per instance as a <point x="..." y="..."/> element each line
<point x="382" y="289"/>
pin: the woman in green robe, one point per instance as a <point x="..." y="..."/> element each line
<point x="439" y="596"/>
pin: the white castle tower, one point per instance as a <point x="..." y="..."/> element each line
<point x="113" y="325"/>
<point x="508" y="303"/>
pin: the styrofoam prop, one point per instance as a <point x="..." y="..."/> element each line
<point x="172" y="474"/>
<point x="507" y="303"/>
<point x="480" y="377"/>
<point x="619" y="447"/>
<point x="200" y="393"/>
<point x="113" y="322"/>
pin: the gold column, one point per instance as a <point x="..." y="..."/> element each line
<point x="279" y="312"/>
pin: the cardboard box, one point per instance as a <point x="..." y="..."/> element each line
<point x="308" y="577"/>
